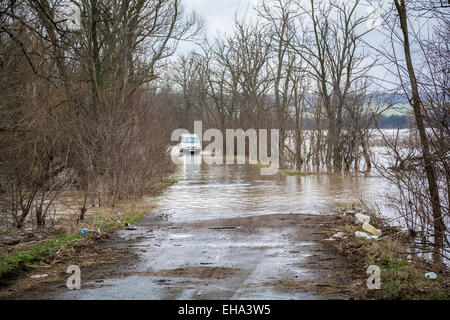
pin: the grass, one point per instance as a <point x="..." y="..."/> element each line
<point x="103" y="219"/>
<point x="293" y="173"/>
<point x="31" y="254"/>
<point x="173" y="180"/>
<point x="403" y="279"/>
<point x="20" y="257"/>
<point x="112" y="223"/>
<point x="35" y="253"/>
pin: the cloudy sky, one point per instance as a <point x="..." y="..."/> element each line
<point x="219" y="14"/>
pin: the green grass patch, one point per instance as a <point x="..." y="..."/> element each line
<point x="133" y="218"/>
<point x="401" y="279"/>
<point x="293" y="173"/>
<point x="402" y="272"/>
<point x="170" y="181"/>
<point x="173" y="180"/>
<point x="31" y="254"/>
<point x="34" y="253"/>
<point x="113" y="223"/>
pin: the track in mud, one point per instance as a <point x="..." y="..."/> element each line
<point x="261" y="257"/>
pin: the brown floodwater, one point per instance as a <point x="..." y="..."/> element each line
<point x="228" y="191"/>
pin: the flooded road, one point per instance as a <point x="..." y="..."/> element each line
<point x="227" y="191"/>
<point x="226" y="232"/>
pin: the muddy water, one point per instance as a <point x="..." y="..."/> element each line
<point x="218" y="191"/>
<point x="226" y="232"/>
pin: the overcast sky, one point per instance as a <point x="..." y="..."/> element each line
<point x="219" y="17"/>
<point x="219" y="14"/>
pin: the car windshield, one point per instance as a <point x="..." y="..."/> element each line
<point x="190" y="140"/>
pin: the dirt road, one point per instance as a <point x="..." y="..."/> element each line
<point x="261" y="257"/>
<point x="225" y="232"/>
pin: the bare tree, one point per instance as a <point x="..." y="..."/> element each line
<point x="335" y="61"/>
<point x="420" y="171"/>
<point x="99" y="103"/>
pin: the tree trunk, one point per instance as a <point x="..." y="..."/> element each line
<point x="428" y="162"/>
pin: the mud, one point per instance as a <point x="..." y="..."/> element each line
<point x="278" y="256"/>
<point x="224" y="232"/>
<point x="90" y="255"/>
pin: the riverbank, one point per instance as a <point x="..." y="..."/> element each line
<point x="402" y="273"/>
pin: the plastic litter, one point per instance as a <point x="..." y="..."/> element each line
<point x="39" y="276"/>
<point x="36" y="235"/>
<point x="371" y="229"/>
<point x="361" y="218"/>
<point x="129" y="227"/>
<point x="338" y="235"/>
<point x="430" y="275"/>
<point x="360" y="234"/>
<point x="83" y="232"/>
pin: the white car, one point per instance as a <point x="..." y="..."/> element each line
<point x="189" y="143"/>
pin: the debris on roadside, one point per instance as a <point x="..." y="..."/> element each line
<point x="35" y="235"/>
<point x="339" y="235"/>
<point x="39" y="276"/>
<point x="129" y="227"/>
<point x="365" y="235"/>
<point x="406" y="274"/>
<point x="362" y="218"/>
<point x="371" y="229"/>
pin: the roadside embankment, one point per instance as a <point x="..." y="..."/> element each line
<point x="402" y="273"/>
<point x="31" y="258"/>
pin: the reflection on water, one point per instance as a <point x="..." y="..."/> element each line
<point x="226" y="191"/>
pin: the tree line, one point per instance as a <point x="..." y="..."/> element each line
<point x="78" y="106"/>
